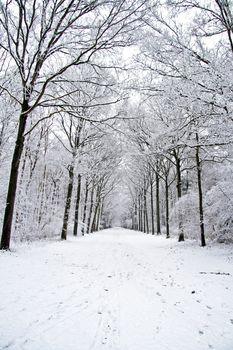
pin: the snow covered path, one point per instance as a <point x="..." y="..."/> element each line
<point x="118" y="290"/>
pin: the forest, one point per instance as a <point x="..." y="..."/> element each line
<point x="116" y="113"/>
<point x="116" y="169"/>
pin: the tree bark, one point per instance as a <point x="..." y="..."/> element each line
<point x="135" y="216"/>
<point x="94" y="220"/>
<point x="157" y="204"/>
<point x="12" y="186"/>
<point x="85" y="208"/>
<point x="91" y="209"/>
<point x="167" y="207"/>
<point x="1" y="136"/>
<point x="152" y="206"/>
<point x="179" y="194"/>
<point x="139" y="213"/>
<point x="144" y="209"/>
<point x="100" y="210"/>
<point x="68" y="202"/>
<point x="145" y="212"/>
<point x="76" y="213"/>
<point x="93" y="225"/>
<point x="199" y="181"/>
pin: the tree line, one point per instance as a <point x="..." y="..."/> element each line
<point x="64" y="83"/>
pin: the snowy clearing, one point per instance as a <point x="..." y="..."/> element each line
<point x="119" y="290"/>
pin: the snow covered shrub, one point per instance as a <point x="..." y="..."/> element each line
<point x="187" y="209"/>
<point x="218" y="212"/>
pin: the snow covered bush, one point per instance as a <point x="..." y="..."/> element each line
<point x="218" y="212"/>
<point x="187" y="209"/>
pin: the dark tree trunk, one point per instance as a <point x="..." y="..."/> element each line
<point x="157" y="204"/>
<point x="18" y="214"/>
<point x="12" y="186"/>
<point x="144" y="216"/>
<point x="1" y="136"/>
<point x="76" y="213"/>
<point x="179" y="194"/>
<point x="133" y="221"/>
<point x="135" y="217"/>
<point x="152" y="206"/>
<point x="91" y="209"/>
<point x="144" y="211"/>
<point x="93" y="225"/>
<point x="167" y="207"/>
<point x="94" y="221"/>
<point x="201" y="212"/>
<point x="68" y="203"/>
<point x="139" y="213"/>
<point x="146" y="222"/>
<point x="100" y="210"/>
<point x="85" y="207"/>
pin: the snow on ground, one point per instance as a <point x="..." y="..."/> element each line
<point x="118" y="290"/>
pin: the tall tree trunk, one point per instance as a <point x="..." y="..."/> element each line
<point x="100" y="210"/>
<point x="179" y="194"/>
<point x="91" y="209"/>
<point x="146" y="222"/>
<point x="1" y="136"/>
<point x="93" y="225"/>
<point x="201" y="212"/>
<point x="144" y="209"/>
<point x="85" y="207"/>
<point x="144" y="218"/>
<point x="135" y="217"/>
<point x="76" y="213"/>
<point x="167" y="206"/>
<point x="152" y="206"/>
<point x="94" y="220"/>
<point x="157" y="203"/>
<point x="12" y="186"/>
<point x="18" y="213"/>
<point x="68" y="203"/>
<point x="139" y="213"/>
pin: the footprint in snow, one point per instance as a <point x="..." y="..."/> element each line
<point x="177" y="303"/>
